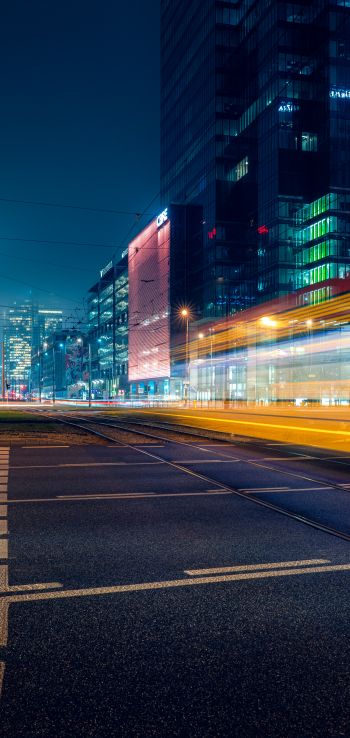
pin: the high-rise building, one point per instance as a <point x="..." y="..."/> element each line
<point x="26" y="327"/>
<point x="255" y="120"/>
<point x="18" y="333"/>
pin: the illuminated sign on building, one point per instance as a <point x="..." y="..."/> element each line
<point x="341" y="93"/>
<point x="288" y="107"/>
<point x="162" y="218"/>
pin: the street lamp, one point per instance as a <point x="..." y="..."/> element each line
<point x="185" y="315"/>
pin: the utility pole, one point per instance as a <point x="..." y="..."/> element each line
<point x="89" y="349"/>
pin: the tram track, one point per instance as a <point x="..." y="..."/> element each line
<point x="86" y="423"/>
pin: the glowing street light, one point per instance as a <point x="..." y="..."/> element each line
<point x="184" y="313"/>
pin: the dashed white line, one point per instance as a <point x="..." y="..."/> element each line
<point x="3" y="548"/>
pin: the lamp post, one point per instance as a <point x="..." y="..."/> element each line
<point x="185" y="314"/>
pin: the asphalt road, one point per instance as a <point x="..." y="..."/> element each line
<point x="146" y="599"/>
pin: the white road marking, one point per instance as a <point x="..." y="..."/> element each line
<point x="253" y="567"/>
<point x="3" y="496"/>
<point x="3" y="527"/>
<point x="287" y="458"/>
<point x="142" y="495"/>
<point x="146" y="586"/>
<point x="3" y="511"/>
<point x="263" y="489"/>
<point x="3" y="548"/>
<point x="290" y="489"/>
<point x="206" y="461"/>
<point x="84" y="465"/>
<point x="3" y="577"/>
<point x="2" y="673"/>
<point x="54" y="446"/>
<point x="122" y="496"/>
<point x="30" y="587"/>
<point x="4" y="609"/>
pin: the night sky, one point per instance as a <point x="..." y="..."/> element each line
<point x="79" y="125"/>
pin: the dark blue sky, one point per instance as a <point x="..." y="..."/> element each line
<point x="79" y="124"/>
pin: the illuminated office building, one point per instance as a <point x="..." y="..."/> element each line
<point x="18" y="333"/>
<point x="159" y="287"/>
<point x="255" y="121"/>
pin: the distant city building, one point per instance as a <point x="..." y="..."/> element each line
<point x="255" y="114"/>
<point x="108" y="330"/>
<point x="25" y="328"/>
<point x="18" y="333"/>
<point x="60" y="366"/>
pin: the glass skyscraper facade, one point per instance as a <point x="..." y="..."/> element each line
<point x="255" y="121"/>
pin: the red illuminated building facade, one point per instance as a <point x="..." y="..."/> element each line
<point x="160" y="275"/>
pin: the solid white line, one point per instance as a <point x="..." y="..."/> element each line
<point x="124" y="588"/>
<point x="3" y="548"/>
<point x="253" y="567"/>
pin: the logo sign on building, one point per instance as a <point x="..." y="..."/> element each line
<point x="162" y="218"/>
<point x="340" y="93"/>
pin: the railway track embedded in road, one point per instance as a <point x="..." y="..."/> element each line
<point x="86" y="423"/>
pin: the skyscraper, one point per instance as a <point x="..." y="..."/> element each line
<point x="26" y="327"/>
<point x="255" y="121"/>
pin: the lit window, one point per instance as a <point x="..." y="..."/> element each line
<point x="309" y="141"/>
<point x="241" y="169"/>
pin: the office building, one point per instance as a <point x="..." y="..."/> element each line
<point x="108" y="330"/>
<point x="17" y="336"/>
<point x="255" y="120"/>
<point x="159" y="289"/>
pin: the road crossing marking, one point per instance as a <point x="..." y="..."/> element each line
<point x="4" y="606"/>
